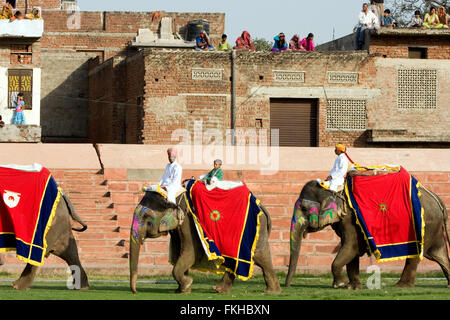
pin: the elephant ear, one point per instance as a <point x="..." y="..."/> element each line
<point x="171" y="220"/>
<point x="330" y="211"/>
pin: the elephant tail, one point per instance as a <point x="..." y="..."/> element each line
<point x="269" y="221"/>
<point x="73" y="213"/>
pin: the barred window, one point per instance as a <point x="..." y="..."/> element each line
<point x="346" y="114"/>
<point x="20" y="81"/>
<point x="417" y="89"/>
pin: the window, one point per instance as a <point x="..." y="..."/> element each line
<point x="417" y="53"/>
<point x="417" y="89"/>
<point x="20" y="81"/>
<point x="346" y="114"/>
<point x="69" y="5"/>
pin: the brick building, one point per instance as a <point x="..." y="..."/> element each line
<point x="395" y="93"/>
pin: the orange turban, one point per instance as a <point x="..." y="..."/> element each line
<point x="340" y="147"/>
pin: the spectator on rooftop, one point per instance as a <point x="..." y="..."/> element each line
<point x="416" y="21"/>
<point x="244" y="42"/>
<point x="224" y="45"/>
<point x="17" y="16"/>
<point x="308" y="42"/>
<point x="386" y="20"/>
<point x="202" y="42"/>
<point x="431" y="19"/>
<point x="443" y="17"/>
<point x="295" y="43"/>
<point x="35" y="14"/>
<point x="380" y="5"/>
<point x="7" y="11"/>
<point x="280" y="43"/>
<point x="367" y="20"/>
<point x="375" y="9"/>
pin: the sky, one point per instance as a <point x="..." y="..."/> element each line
<point x="262" y="19"/>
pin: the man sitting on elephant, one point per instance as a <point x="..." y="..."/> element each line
<point x="336" y="178"/>
<point x="171" y="179"/>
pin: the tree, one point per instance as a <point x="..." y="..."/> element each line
<point x="403" y="10"/>
<point x="262" y="44"/>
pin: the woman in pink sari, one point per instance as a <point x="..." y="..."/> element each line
<point x="244" y="42"/>
<point x="308" y="43"/>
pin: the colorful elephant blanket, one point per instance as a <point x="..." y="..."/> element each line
<point x="227" y="222"/>
<point x="27" y="207"/>
<point x="389" y="212"/>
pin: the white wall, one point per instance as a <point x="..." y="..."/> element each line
<point x="31" y="116"/>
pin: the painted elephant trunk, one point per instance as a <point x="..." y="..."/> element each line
<point x="135" y="247"/>
<point x="298" y="227"/>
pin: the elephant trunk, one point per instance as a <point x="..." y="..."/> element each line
<point x="297" y="231"/>
<point x="135" y="247"/>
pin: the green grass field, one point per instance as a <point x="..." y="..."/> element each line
<point x="304" y="287"/>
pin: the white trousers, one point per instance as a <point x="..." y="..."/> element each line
<point x="171" y="191"/>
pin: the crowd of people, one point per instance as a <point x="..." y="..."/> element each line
<point x="373" y="16"/>
<point x="244" y="42"/>
<point x="8" y="12"/>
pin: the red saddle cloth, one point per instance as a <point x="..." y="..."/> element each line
<point x="27" y="206"/>
<point x="228" y="225"/>
<point x="389" y="212"/>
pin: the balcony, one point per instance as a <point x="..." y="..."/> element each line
<point x="21" y="28"/>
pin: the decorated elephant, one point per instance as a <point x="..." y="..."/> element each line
<point x="155" y="216"/>
<point x="36" y="220"/>
<point x="317" y="207"/>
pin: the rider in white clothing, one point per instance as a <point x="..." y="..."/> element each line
<point x="336" y="178"/>
<point x="171" y="179"/>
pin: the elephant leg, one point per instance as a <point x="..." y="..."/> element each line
<point x="409" y="273"/>
<point x="26" y="278"/>
<point x="439" y="253"/>
<point x="263" y="260"/>
<point x="224" y="286"/>
<point x="180" y="273"/>
<point x="353" y="274"/>
<point x="346" y="255"/>
<point x="69" y="254"/>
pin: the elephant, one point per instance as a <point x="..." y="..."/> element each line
<point x="353" y="244"/>
<point x="60" y="242"/>
<point x="155" y="216"/>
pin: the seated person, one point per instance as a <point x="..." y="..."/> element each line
<point x="2" y="123"/>
<point x="308" y="42"/>
<point x="386" y="20"/>
<point x="17" y="16"/>
<point x="367" y="20"/>
<point x="224" y="45"/>
<point x="244" y="42"/>
<point x="35" y="14"/>
<point x="295" y="44"/>
<point x="280" y="43"/>
<point x="431" y="19"/>
<point x="7" y="11"/>
<point x="416" y="21"/>
<point x="336" y="178"/>
<point x="171" y="179"/>
<point x="202" y="42"/>
<point x="443" y="17"/>
<point x="215" y="174"/>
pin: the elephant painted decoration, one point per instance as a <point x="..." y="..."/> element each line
<point x="154" y="216"/>
<point x="60" y="242"/>
<point x="316" y="204"/>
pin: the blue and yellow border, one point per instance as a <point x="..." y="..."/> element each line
<point x="394" y="251"/>
<point x="34" y="252"/>
<point x="242" y="266"/>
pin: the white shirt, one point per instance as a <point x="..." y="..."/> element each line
<point x="369" y="19"/>
<point x="339" y="169"/>
<point x="171" y="178"/>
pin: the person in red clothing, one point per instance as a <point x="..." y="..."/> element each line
<point x="308" y="42"/>
<point x="244" y="42"/>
